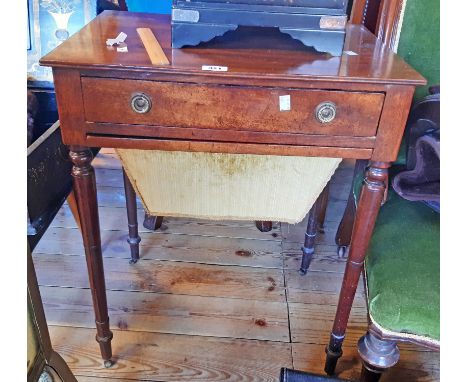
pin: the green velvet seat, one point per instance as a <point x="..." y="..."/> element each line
<point x="403" y="270"/>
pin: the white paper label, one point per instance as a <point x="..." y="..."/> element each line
<point x="285" y="102"/>
<point x="212" y="68"/>
<point x="350" y="53"/>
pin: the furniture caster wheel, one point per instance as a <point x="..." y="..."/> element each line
<point x="342" y="251"/>
<point x="131" y="262"/>
<point x="108" y="363"/>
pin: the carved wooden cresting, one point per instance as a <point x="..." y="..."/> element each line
<point x="316" y="23"/>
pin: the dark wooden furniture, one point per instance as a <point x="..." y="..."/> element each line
<point x="382" y="18"/>
<point x="354" y="106"/>
<point x="316" y="23"/>
<point x="47" y="363"/>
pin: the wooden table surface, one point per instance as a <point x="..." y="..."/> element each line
<point x="353" y="106"/>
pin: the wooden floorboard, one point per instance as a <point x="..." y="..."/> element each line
<point x="168" y="357"/>
<point x="171" y="313"/>
<point x="208" y="301"/>
<point x="187" y="248"/>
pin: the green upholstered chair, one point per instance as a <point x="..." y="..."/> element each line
<point x="402" y="277"/>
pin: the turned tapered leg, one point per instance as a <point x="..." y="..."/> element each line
<point x="84" y="186"/>
<point x="377" y="356"/>
<point x="345" y="229"/>
<point x="133" y="238"/>
<point x="264" y="226"/>
<point x="153" y="223"/>
<point x="372" y="194"/>
<point x="311" y="233"/>
<point x="322" y="208"/>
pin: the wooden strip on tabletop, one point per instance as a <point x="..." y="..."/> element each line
<point x="166" y="277"/>
<point x="186" y="248"/>
<point x="167" y="357"/>
<point x="152" y="46"/>
<point x="111" y="218"/>
<point x="168" y="313"/>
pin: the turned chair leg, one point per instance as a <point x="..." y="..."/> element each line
<point x="311" y="233"/>
<point x="345" y="229"/>
<point x="377" y="356"/>
<point x="264" y="226"/>
<point x="153" y="223"/>
<point x="133" y="237"/>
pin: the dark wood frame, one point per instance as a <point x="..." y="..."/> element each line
<point x="46" y="356"/>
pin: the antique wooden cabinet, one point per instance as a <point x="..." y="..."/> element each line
<point x="317" y="23"/>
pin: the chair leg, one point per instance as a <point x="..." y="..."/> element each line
<point x="153" y="223"/>
<point x="345" y="229"/>
<point x="264" y="226"/>
<point x="377" y="356"/>
<point x="309" y="242"/>
<point x="133" y="237"/>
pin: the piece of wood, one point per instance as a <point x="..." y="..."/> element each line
<point x="71" y="200"/>
<point x="310" y="322"/>
<point x="171" y="247"/>
<point x="170" y="313"/>
<point x="357" y="113"/>
<point x="372" y="194"/>
<point x="165" y="357"/>
<point x="167" y="277"/>
<point x="45" y="353"/>
<point x="84" y="187"/>
<point x="154" y="50"/>
<point x="318" y="288"/>
<point x="133" y="238"/>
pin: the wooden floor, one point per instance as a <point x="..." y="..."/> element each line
<point x="209" y="301"/>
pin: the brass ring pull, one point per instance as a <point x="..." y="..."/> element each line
<point x="140" y="103"/>
<point x="325" y="112"/>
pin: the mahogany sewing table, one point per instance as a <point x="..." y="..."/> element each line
<point x="353" y="106"/>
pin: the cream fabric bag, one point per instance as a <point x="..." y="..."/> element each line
<point x="227" y="186"/>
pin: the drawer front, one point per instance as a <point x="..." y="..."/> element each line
<point x="322" y="112"/>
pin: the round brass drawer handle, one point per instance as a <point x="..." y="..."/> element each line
<point x="140" y="103"/>
<point x="325" y="112"/>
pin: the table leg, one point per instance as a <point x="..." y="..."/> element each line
<point x="322" y="208"/>
<point x="345" y="229"/>
<point x="372" y="194"/>
<point x="151" y="222"/>
<point x="311" y="233"/>
<point x="130" y="200"/>
<point x="84" y="186"/>
<point x="264" y="226"/>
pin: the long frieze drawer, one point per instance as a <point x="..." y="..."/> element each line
<point x="231" y="107"/>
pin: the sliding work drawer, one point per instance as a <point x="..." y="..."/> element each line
<point x="261" y="109"/>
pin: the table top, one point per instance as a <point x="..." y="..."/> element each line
<point x="247" y="52"/>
